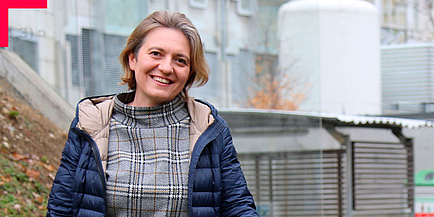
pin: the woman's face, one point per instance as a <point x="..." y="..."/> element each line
<point x="161" y="67"/>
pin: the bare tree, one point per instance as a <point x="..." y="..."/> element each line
<point x="275" y="89"/>
<point x="424" y="9"/>
<point x="423" y="15"/>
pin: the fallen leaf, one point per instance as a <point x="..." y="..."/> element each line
<point x="38" y="197"/>
<point x="32" y="173"/>
<point x="49" y="167"/>
<point x="6" y="179"/>
<point x="18" y="156"/>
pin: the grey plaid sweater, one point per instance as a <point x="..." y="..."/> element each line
<point x="148" y="160"/>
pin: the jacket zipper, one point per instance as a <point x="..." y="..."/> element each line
<point x="204" y="139"/>
<point x="95" y="152"/>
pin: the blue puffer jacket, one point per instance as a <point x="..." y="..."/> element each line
<point x="216" y="186"/>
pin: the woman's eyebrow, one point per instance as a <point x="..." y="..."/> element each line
<point x="156" y="48"/>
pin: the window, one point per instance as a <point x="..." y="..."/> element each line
<point x="245" y="7"/>
<point x="202" y="4"/>
<point x="394" y="13"/>
<point x="24" y="42"/>
<point x="75" y="61"/>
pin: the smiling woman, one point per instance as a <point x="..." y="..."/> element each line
<point x="161" y="67"/>
<point x="152" y="151"/>
<point x="198" y="67"/>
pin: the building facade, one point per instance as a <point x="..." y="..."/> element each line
<point x="75" y="45"/>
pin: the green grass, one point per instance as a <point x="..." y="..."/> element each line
<point x="14" y="114"/>
<point x="19" y="194"/>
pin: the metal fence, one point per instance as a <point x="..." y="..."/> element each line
<point x="382" y="179"/>
<point x="314" y="183"/>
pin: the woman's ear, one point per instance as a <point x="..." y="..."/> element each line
<point x="132" y="61"/>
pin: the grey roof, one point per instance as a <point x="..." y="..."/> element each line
<point x="262" y="117"/>
<point x="380" y="121"/>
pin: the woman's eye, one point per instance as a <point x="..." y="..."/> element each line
<point x="155" y="53"/>
<point x="182" y="61"/>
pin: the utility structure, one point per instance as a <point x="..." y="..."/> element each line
<point x="313" y="164"/>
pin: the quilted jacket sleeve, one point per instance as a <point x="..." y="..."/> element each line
<point x="236" y="197"/>
<point x="60" y="201"/>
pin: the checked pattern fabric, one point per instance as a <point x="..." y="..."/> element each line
<point x="148" y="160"/>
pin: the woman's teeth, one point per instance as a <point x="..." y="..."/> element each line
<point x="161" y="80"/>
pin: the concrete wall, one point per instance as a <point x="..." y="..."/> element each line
<point x="423" y="147"/>
<point x="35" y="90"/>
<point x="46" y="26"/>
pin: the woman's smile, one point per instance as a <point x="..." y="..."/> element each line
<point x="161" y="67"/>
<point x="161" y="80"/>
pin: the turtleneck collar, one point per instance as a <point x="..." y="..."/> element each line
<point x="148" y="117"/>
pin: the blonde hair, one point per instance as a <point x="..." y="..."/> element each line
<point x="199" y="69"/>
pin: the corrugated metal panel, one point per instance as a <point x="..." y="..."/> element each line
<point x="407" y="76"/>
<point x="392" y="122"/>
<point x="285" y="119"/>
<point x="75" y="55"/>
<point x="113" y="46"/>
<point x="88" y="81"/>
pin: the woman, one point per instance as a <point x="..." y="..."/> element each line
<point x="152" y="150"/>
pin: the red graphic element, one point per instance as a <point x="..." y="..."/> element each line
<point x="424" y="214"/>
<point x="14" y="4"/>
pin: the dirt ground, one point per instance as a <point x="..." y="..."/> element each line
<point x="30" y="152"/>
<point x="26" y="135"/>
<point x="26" y="131"/>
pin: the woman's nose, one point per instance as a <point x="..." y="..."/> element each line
<point x="166" y="66"/>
